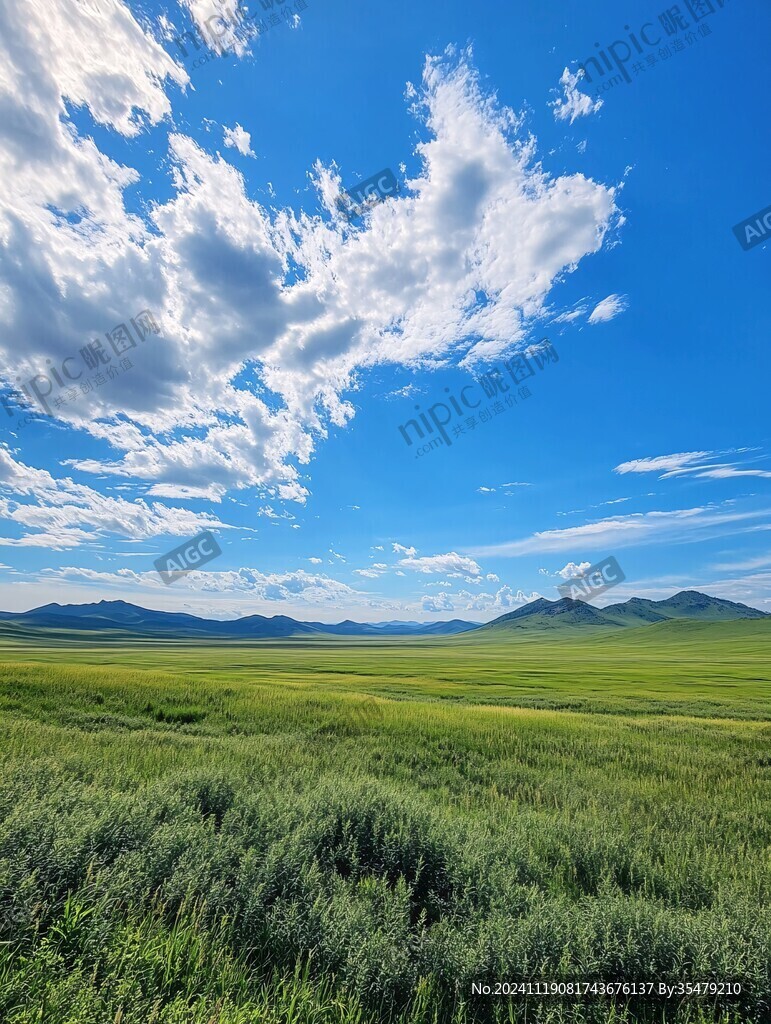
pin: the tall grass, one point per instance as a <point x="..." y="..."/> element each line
<point x="178" y="849"/>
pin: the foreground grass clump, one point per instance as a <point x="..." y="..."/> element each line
<point x="177" y="850"/>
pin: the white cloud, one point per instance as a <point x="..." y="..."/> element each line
<point x="448" y="563"/>
<point x="599" y="504"/>
<point x="211" y="492"/>
<point x="575" y="103"/>
<point x="699" y="465"/>
<point x="726" y="471"/>
<point x="408" y="391"/>
<point x="503" y="600"/>
<point x="667" y="465"/>
<point x="373" y="571"/>
<point x="637" y="528"/>
<point x="756" y="562"/>
<point x="63" y="514"/>
<point x="239" y="139"/>
<point x="295" y="587"/>
<point x="571" y="569"/>
<point x="481" y="217"/>
<point x="492" y="490"/>
<point x="400" y="548"/>
<point x="271" y="513"/>
<point x="437" y="603"/>
<point x="570" y="315"/>
<point x="608" y="309"/>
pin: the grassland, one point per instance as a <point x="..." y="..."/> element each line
<point x="337" y="831"/>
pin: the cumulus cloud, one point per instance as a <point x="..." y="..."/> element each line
<point x="401" y="549"/>
<point x="451" y="563"/>
<point x="437" y="603"/>
<point x="63" y="514"/>
<point x="608" y="309"/>
<point x="295" y="307"/>
<point x="503" y="600"/>
<point x="297" y="587"/>
<point x="574" y="103"/>
<point x="571" y="569"/>
<point x="239" y="139"/>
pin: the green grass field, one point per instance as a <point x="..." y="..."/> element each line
<point x="338" y="831"/>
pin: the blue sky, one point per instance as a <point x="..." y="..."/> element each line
<point x="291" y="345"/>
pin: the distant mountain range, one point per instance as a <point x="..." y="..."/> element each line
<point x="133" y="619"/>
<point x="637" y="611"/>
<point x="121" y="618"/>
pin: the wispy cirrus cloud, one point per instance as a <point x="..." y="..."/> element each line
<point x="700" y="465"/>
<point x="754" y="562"/>
<point x="599" y="504"/>
<point x="506" y="488"/>
<point x="608" y="309"/>
<point x="685" y="525"/>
